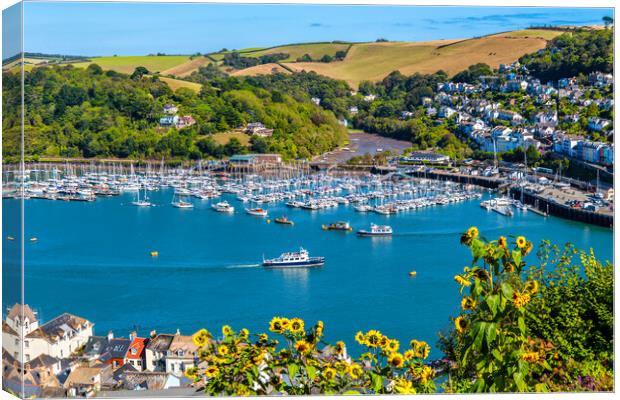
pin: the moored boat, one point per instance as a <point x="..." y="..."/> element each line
<point x="284" y="220"/>
<point x="299" y="258"/>
<point x="376" y="230"/>
<point x="338" y="226"/>
<point x="223" y="207"/>
<point x="259" y="212"/>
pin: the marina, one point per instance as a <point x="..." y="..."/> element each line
<point x="172" y="253"/>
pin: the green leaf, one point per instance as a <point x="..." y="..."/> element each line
<point x="491" y="333"/>
<point x="521" y="323"/>
<point x="292" y="370"/>
<point x="311" y="370"/>
<point x="493" y="302"/>
<point x="507" y="289"/>
<point x="498" y="356"/>
<point x="518" y="377"/>
<point x="377" y="382"/>
<point x="516" y="257"/>
<point x="351" y="392"/>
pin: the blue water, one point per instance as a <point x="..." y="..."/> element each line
<point x="93" y="260"/>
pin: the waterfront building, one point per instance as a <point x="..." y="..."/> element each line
<point x="136" y="355"/>
<point x="156" y="351"/>
<point x="182" y="354"/>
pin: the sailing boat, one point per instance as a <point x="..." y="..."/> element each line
<point x="144" y="202"/>
<point x="178" y="203"/>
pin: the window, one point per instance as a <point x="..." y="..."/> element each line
<point x="139" y="363"/>
<point x="26" y="344"/>
<point x="134" y="351"/>
<point x="16" y="342"/>
<point x="27" y="357"/>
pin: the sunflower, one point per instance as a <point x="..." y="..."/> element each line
<point x="468" y="303"/>
<point x="403" y="386"/>
<point x="296" y="326"/>
<point x="422" y="350"/>
<point x="222" y="350"/>
<point x="393" y="345"/>
<point x="460" y="323"/>
<point x="531" y="357"/>
<point x="275" y="325"/>
<point x="244" y="334"/>
<point x="285" y="323"/>
<point x="359" y="338"/>
<point x="212" y="371"/>
<point x="409" y="354"/>
<point x="329" y="373"/>
<point x="340" y="346"/>
<point x="227" y="330"/>
<point x="191" y="373"/>
<point x="509" y="267"/>
<point x="356" y="371"/>
<point x="318" y="329"/>
<point x="521" y="242"/>
<point x="426" y="374"/>
<point x="263" y="338"/>
<point x="396" y="360"/>
<point x="201" y="337"/>
<point x="242" y="390"/>
<point x="472" y="232"/>
<point x="531" y="287"/>
<point x="501" y="242"/>
<point x="414" y="344"/>
<point x="373" y="338"/>
<point x="526" y="250"/>
<point x="520" y="300"/>
<point x="383" y="341"/>
<point x="302" y="346"/>
<point x="461" y="280"/>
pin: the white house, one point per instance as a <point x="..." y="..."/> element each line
<point x="59" y="337"/>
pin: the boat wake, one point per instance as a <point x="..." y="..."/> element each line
<point x="242" y="266"/>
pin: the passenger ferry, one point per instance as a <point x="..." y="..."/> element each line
<point x="299" y="258"/>
<point x="259" y="212"/>
<point x="376" y="230"/>
<point x="223" y="207"/>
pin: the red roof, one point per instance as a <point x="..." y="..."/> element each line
<point x="136" y="348"/>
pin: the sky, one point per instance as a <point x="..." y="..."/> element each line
<point x="92" y="29"/>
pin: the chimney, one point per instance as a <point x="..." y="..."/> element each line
<point x="153" y="334"/>
<point x="178" y="331"/>
<point x="133" y="335"/>
<point x="110" y="335"/>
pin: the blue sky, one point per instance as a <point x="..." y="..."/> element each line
<point x="92" y="29"/>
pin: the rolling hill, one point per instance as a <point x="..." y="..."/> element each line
<point x="364" y="61"/>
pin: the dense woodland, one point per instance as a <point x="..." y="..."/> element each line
<point x="73" y="112"/>
<point x="571" y="54"/>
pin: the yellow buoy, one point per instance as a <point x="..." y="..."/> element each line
<point x="268" y="221"/>
<point x="154" y="254"/>
<point x="412" y="273"/>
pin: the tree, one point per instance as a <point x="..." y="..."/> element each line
<point x="327" y="58"/>
<point x="138" y="73"/>
<point x="607" y="20"/>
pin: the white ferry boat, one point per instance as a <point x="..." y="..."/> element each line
<point x="223" y="207"/>
<point x="299" y="258"/>
<point x="182" y="204"/>
<point x="376" y="230"/>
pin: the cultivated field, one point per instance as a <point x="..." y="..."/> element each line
<point x="177" y="83"/>
<point x="127" y="64"/>
<point x="263" y="69"/>
<point x="188" y="67"/>
<point x="530" y="33"/>
<point x="373" y="61"/>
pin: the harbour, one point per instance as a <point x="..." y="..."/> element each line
<point x="165" y="268"/>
